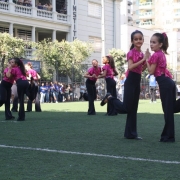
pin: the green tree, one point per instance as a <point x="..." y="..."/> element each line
<point x="11" y="47"/>
<point x="64" y="56"/>
<point x="119" y="58"/>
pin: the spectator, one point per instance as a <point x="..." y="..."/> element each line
<point x="122" y="81"/>
<point x="178" y="90"/>
<point x="71" y="92"/>
<point x="152" y="86"/>
<point x="47" y="92"/>
<point x="66" y="93"/>
<point x="82" y="90"/>
<point x="52" y="93"/>
<point x="42" y="93"/>
<point x="40" y="6"/>
<point x="60" y="95"/>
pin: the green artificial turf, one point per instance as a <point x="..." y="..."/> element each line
<point x="66" y="127"/>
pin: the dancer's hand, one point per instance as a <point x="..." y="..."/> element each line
<point x="9" y="66"/>
<point x="94" y="76"/>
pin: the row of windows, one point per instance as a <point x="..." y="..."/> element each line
<point x="26" y="35"/>
<point x="22" y="34"/>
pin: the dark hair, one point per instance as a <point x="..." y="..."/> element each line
<point x="162" y="38"/>
<point x="111" y="61"/>
<point x="95" y="60"/>
<point x="20" y="64"/>
<point x="132" y="37"/>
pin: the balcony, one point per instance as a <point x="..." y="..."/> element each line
<point x="176" y="25"/>
<point x="146" y="25"/>
<point x="129" y="3"/>
<point x="146" y="15"/>
<point x="16" y="9"/>
<point x="146" y="5"/>
<point x="176" y="5"/>
<point x="176" y="15"/>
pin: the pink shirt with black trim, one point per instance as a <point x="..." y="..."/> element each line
<point x="159" y="59"/>
<point x="33" y="73"/>
<point x="17" y="74"/>
<point x="135" y="56"/>
<point x="109" y="71"/>
<point x="96" y="71"/>
<point x="5" y="78"/>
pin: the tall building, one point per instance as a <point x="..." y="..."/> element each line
<point x="97" y="21"/>
<point x="163" y="15"/>
<point x="126" y="12"/>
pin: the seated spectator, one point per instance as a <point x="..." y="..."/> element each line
<point x="20" y="2"/>
<point x="49" y="8"/>
<point x="45" y="7"/>
<point x="40" y="6"/>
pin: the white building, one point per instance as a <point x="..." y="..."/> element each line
<point x="161" y="16"/>
<point x="126" y="12"/>
<point x="97" y="21"/>
<point x="157" y="14"/>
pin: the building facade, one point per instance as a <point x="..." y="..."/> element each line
<point x="126" y="12"/>
<point x="163" y="15"/>
<point x="97" y="21"/>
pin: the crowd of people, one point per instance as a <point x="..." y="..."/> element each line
<point x="23" y="2"/>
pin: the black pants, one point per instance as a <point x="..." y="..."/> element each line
<point x="81" y="95"/>
<point x="153" y="93"/>
<point x="7" y="86"/>
<point x="22" y="86"/>
<point x="91" y="89"/>
<point x="15" y="104"/>
<point x="111" y="88"/>
<point x="129" y="105"/>
<point x="167" y="89"/>
<point x="37" y="103"/>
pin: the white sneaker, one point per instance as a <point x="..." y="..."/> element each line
<point x="56" y="102"/>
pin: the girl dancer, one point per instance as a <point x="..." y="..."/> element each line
<point x="109" y="72"/>
<point x="33" y="75"/>
<point x="92" y="76"/>
<point x="136" y="61"/>
<point x="7" y="84"/>
<point x="17" y="72"/>
<point x="157" y="65"/>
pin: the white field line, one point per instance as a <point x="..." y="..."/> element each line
<point x="91" y="154"/>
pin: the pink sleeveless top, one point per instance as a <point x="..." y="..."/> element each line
<point x="135" y="56"/>
<point x="159" y="58"/>
<point x="109" y="71"/>
<point x="96" y="71"/>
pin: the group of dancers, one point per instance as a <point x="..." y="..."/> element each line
<point x="156" y="64"/>
<point x="137" y="63"/>
<point x="24" y="76"/>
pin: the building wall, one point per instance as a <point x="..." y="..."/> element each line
<point x="109" y="25"/>
<point x="88" y="26"/>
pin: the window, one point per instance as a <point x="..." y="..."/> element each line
<point x="24" y="34"/>
<point x="94" y="9"/>
<point x="4" y="30"/>
<point x="97" y="44"/>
